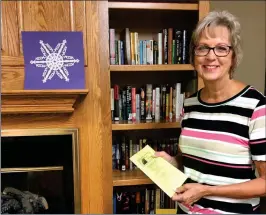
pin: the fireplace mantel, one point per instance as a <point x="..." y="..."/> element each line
<point x="40" y="101"/>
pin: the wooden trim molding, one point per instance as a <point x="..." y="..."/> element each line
<point x="40" y="101"/>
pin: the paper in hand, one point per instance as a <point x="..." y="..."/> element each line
<point x="161" y="172"/>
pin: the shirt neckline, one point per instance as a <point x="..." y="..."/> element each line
<point x="223" y="102"/>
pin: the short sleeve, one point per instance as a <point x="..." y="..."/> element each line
<point x="257" y="131"/>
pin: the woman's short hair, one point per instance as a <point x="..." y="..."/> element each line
<point x="220" y="18"/>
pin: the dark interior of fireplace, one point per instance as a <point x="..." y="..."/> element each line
<point x="52" y="154"/>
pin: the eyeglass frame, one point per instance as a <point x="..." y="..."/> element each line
<point x="213" y="49"/>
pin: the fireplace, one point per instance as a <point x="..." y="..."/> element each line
<point x="43" y="162"/>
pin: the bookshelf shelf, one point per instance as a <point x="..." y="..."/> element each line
<point x="152" y="6"/>
<point x="132" y="68"/>
<point x="32" y="169"/>
<point x="129" y="178"/>
<point x="40" y="101"/>
<point x="127" y="125"/>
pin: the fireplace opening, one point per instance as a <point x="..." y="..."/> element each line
<point x="43" y="162"/>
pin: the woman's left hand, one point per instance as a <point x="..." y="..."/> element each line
<point x="190" y="193"/>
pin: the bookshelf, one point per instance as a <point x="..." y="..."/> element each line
<point x="128" y="125"/>
<point x="130" y="178"/>
<point x="151" y="68"/>
<point x="152" y="6"/>
<point x="148" y="18"/>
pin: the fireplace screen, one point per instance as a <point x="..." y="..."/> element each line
<point x="41" y="163"/>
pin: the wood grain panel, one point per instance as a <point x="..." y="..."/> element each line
<point x="12" y="78"/>
<point x="173" y="67"/>
<point x="21" y="121"/>
<point x="127" y="125"/>
<point x="10" y="30"/>
<point x="204" y="8"/>
<point x="38" y="16"/>
<point x="45" y="15"/>
<point x="129" y="178"/>
<point x="39" y="101"/>
<point x="94" y="116"/>
<point x="152" y="6"/>
<point x="78" y="12"/>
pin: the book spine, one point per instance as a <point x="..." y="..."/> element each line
<point x="144" y="51"/>
<point x="178" y="40"/>
<point x="119" y="52"/>
<point x="138" y="107"/>
<point x="142" y="104"/>
<point x="112" y="45"/>
<point x="151" y="52"/>
<point x="174" y="103"/>
<point x="157" y="104"/>
<point x="127" y="153"/>
<point x="127" y="47"/>
<point x="155" y="52"/>
<point x="148" y="101"/>
<point x="177" y="100"/>
<point x="163" y="102"/>
<point x="167" y="106"/>
<point x="112" y="103"/>
<point x="116" y="100"/>
<point x="116" y="53"/>
<point x="128" y="102"/>
<point x="122" y="52"/>
<point x="132" y="45"/>
<point x="148" y="49"/>
<point x="184" y="47"/>
<point x="170" y="41"/>
<point x="123" y="154"/>
<point x="124" y="105"/>
<point x="160" y="48"/>
<point x="141" y="52"/>
<point x="171" y="103"/>
<point x="153" y="103"/>
<point x="173" y="52"/>
<point x="136" y="45"/>
<point x="181" y="101"/>
<point x="120" y="107"/>
<point x="165" y="45"/>
<point x="133" y="103"/>
<point x="113" y="156"/>
<point x="130" y="154"/>
<point x="118" y="155"/>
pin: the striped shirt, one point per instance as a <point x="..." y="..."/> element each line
<point x="219" y="142"/>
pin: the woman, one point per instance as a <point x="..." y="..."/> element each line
<point x="223" y="135"/>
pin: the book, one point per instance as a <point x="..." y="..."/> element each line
<point x="161" y="172"/>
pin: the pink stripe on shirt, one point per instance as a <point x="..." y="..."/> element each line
<point x="196" y="209"/>
<point x="209" y="136"/>
<point x="258" y="113"/>
<point x="257" y="142"/>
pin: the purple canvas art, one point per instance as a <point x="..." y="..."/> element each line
<point x="53" y="60"/>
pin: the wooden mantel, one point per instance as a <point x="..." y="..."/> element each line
<point x="40" y="101"/>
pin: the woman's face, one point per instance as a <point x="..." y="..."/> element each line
<point x="210" y="67"/>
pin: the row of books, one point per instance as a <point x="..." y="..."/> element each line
<point x="170" y="46"/>
<point x="124" y="147"/>
<point x="148" y="103"/>
<point x="141" y="201"/>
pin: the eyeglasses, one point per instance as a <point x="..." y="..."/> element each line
<point x="219" y="51"/>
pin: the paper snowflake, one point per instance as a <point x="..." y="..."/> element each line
<point x="54" y="61"/>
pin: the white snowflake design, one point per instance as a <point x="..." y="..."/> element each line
<point x="54" y="61"/>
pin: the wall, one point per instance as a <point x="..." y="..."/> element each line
<point x="251" y="15"/>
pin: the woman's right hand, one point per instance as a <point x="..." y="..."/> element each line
<point x="167" y="157"/>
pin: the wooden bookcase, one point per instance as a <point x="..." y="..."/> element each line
<point x="147" y="17"/>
